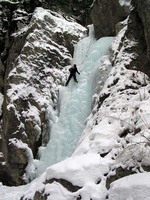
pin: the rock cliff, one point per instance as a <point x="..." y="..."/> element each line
<point x="105" y="15"/>
<point x="34" y="54"/>
<point x="37" y="48"/>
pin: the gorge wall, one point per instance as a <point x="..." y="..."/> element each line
<point x="34" y="55"/>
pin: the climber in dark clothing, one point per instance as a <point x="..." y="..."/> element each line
<point x="73" y="71"/>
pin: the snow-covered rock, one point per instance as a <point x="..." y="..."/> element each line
<point x="78" y="177"/>
<point x="115" y="131"/>
<point x="133" y="187"/>
<point x="33" y="78"/>
<point x="115" y="140"/>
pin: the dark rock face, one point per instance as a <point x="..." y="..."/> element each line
<point x="136" y="40"/>
<point x="68" y="185"/>
<point x="76" y="8"/>
<point x="1" y="77"/>
<point x="135" y="32"/>
<point x="142" y="8"/>
<point x="40" y="196"/>
<point x="143" y="21"/>
<point x="43" y="195"/>
<point x="105" y="15"/>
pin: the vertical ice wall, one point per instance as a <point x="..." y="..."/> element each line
<point x="75" y="101"/>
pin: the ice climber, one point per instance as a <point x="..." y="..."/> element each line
<point x="73" y="71"/>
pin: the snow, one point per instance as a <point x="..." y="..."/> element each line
<point x="91" y="164"/>
<point x="123" y="108"/>
<point x="120" y="107"/>
<point x="125" y="2"/>
<point x="133" y="187"/>
<point x="106" y="103"/>
<point x="61" y="25"/>
<point x="75" y="106"/>
<point x="90" y="167"/>
<point x="33" y="81"/>
<point x="11" y="2"/>
<point x="1" y="102"/>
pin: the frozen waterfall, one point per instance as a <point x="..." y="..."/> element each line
<point x="75" y="101"/>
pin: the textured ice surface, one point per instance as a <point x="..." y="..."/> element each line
<point x="75" y="102"/>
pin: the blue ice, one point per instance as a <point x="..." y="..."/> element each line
<point x="75" y="102"/>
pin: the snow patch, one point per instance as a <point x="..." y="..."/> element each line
<point x="133" y="187"/>
<point x="1" y="102"/>
<point x="30" y="169"/>
<point x="125" y="2"/>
